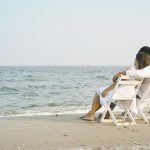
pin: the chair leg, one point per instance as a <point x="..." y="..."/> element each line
<point x="111" y="114"/>
<point x="109" y="105"/>
<point x="113" y="117"/>
<point x="104" y="114"/>
<point x="143" y="116"/>
<point x="130" y="115"/>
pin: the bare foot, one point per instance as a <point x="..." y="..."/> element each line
<point x="88" y="118"/>
<point x="85" y="115"/>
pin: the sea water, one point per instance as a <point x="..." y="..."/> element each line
<point x="51" y="90"/>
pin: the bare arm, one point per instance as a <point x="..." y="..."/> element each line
<point x="116" y="76"/>
<point x="108" y="89"/>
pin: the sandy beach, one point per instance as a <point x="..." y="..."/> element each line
<point x="69" y="132"/>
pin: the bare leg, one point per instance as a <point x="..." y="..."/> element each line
<point x="95" y="106"/>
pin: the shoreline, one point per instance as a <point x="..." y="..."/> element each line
<point x="69" y="132"/>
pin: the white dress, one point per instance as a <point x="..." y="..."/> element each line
<point x="104" y="100"/>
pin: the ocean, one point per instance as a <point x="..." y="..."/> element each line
<point x="51" y="90"/>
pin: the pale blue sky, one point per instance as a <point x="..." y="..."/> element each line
<point x="72" y="32"/>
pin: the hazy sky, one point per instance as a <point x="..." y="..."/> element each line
<point x="73" y="32"/>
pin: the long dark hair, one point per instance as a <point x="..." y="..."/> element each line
<point x="143" y="60"/>
<point x="145" y="49"/>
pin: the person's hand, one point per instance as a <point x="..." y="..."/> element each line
<point x="104" y="93"/>
<point x="116" y="76"/>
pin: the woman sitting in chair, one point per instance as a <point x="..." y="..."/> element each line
<point x="103" y="94"/>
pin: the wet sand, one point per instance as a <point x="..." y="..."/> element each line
<point x="69" y="132"/>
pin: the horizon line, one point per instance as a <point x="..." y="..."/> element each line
<point x="62" y="65"/>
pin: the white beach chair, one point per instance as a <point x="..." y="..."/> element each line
<point x="125" y="89"/>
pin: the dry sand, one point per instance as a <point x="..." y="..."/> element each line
<point x="69" y="132"/>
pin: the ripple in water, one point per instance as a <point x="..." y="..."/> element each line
<point x="51" y="90"/>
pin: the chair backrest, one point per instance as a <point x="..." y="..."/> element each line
<point x="126" y="88"/>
